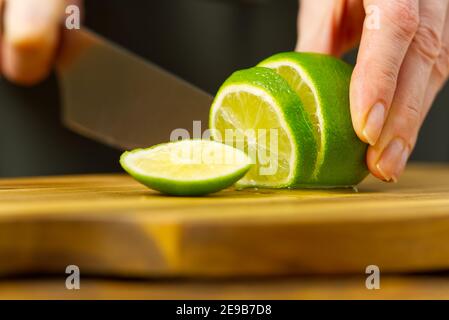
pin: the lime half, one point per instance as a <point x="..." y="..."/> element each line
<point x="322" y="84"/>
<point x="187" y="167"/>
<point x="257" y="112"/>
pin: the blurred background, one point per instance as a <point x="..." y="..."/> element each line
<point x="203" y="41"/>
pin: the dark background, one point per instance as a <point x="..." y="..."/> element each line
<point x="203" y="41"/>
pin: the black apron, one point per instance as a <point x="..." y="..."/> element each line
<point x="203" y="41"/>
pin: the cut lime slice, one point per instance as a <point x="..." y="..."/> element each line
<point x="256" y="111"/>
<point x="187" y="167"/>
<point x="322" y="83"/>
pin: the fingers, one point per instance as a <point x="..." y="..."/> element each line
<point x="381" y="53"/>
<point x="314" y="26"/>
<point x="317" y="24"/>
<point x="31" y="34"/>
<point x="388" y="157"/>
<point x="440" y="71"/>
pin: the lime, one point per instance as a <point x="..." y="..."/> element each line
<point x="187" y="167"/>
<point x="322" y="83"/>
<point x="256" y="111"/>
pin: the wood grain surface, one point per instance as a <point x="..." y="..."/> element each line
<point x="111" y="225"/>
<point x="347" y="287"/>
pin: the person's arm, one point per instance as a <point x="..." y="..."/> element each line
<point x="30" y="38"/>
<point x="401" y="65"/>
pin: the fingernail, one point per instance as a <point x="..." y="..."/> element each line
<point x="374" y="123"/>
<point x="393" y="160"/>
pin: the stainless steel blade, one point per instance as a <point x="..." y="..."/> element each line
<point x="115" y="97"/>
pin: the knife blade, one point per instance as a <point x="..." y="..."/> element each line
<point x="115" y="97"/>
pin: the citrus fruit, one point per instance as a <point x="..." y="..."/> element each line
<point x="187" y="167"/>
<point x="322" y="84"/>
<point x="256" y="111"/>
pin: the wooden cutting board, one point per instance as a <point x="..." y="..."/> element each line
<point x="111" y="225"/>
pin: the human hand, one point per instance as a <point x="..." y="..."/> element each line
<point x="400" y="68"/>
<point x="30" y="38"/>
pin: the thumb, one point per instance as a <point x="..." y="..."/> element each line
<point x="31" y="35"/>
<point x="318" y="21"/>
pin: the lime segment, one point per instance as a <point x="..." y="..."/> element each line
<point x="256" y="111"/>
<point x="245" y="120"/>
<point x="187" y="167"/>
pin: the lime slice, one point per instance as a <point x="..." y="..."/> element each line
<point x="187" y="167"/>
<point x="322" y="83"/>
<point x="257" y="112"/>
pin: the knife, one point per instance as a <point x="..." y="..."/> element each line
<point x="117" y="98"/>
